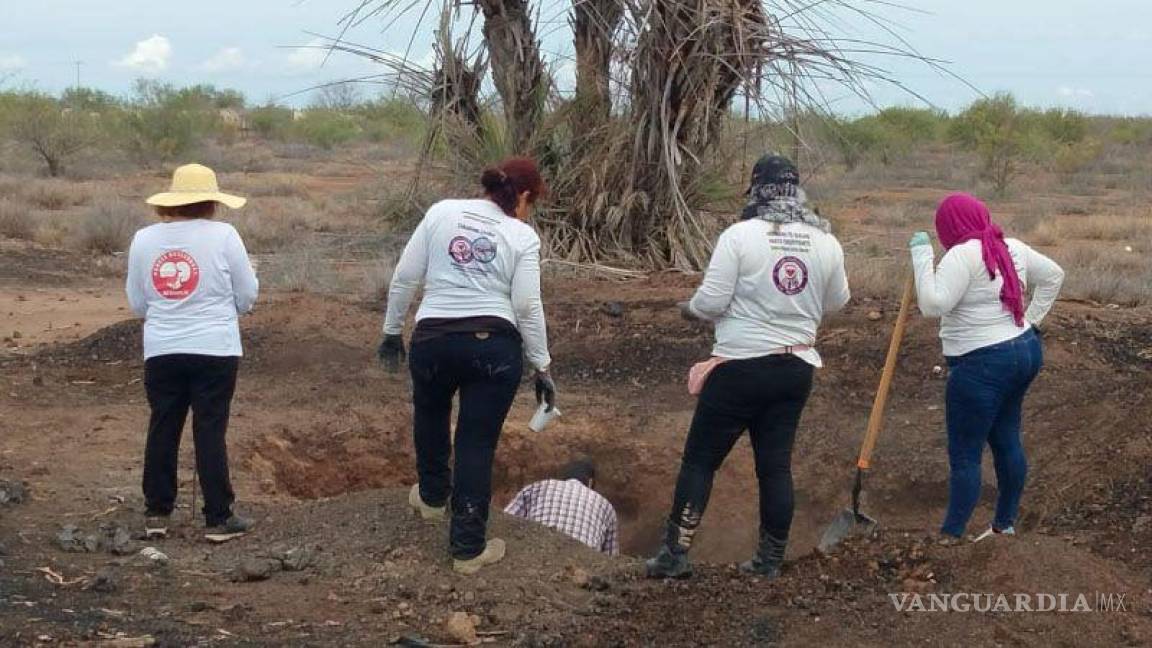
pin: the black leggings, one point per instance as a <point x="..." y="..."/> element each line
<point x="766" y="397"/>
<point x="174" y="384"/>
<point x="485" y="368"/>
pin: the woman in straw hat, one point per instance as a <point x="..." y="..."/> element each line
<point x="190" y="278"/>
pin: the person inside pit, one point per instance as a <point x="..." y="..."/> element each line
<point x="481" y="315"/>
<point x="992" y="343"/>
<point x="571" y="505"/>
<point x="772" y="278"/>
<point x="190" y="279"/>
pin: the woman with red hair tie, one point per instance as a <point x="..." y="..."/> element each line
<point x="993" y="349"/>
<point x="479" y="263"/>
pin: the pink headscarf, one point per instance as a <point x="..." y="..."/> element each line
<point x="962" y="218"/>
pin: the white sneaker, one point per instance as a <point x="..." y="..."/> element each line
<point x="418" y="505"/>
<point x="991" y="532"/>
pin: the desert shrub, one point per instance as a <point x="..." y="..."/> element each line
<point x="1129" y="131"/>
<point x="993" y="129"/>
<point x="16" y="222"/>
<point x="1072" y="158"/>
<point x="390" y="120"/>
<point x="53" y="131"/>
<point x="913" y="125"/>
<point x="54" y="195"/>
<point x="325" y="128"/>
<point x="270" y="121"/>
<point x="853" y="139"/>
<point x="108" y="227"/>
<point x="164" y="123"/>
<point x="1062" y="126"/>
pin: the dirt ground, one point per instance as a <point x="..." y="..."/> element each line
<point x="322" y="454"/>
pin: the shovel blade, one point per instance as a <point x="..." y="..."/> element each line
<point x="844" y="525"/>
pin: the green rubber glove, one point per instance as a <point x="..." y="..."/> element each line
<point x="918" y="239"/>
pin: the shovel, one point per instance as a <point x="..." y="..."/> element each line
<point x="852" y="520"/>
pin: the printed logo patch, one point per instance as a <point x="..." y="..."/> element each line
<point x="484" y="250"/>
<point x="460" y="249"/>
<point x="175" y="274"/>
<point x="790" y="275"/>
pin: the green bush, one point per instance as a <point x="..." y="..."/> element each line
<point x="391" y="120"/>
<point x="993" y="128"/>
<point x="326" y="129"/>
<point x="54" y="132"/>
<point x="163" y="123"/>
<point x="270" y="121"/>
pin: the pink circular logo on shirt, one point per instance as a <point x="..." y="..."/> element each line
<point x="460" y="249"/>
<point x="175" y="274"/>
<point x="790" y="276"/>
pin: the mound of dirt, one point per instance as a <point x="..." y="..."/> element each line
<point x="120" y="342"/>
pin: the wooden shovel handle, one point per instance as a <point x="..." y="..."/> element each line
<point x="876" y="418"/>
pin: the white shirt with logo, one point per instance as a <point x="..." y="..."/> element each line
<point x="474" y="261"/>
<point x="967" y="301"/>
<point x="768" y="287"/>
<point x="190" y="280"/>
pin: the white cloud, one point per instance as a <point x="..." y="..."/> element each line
<point x="12" y="62"/>
<point x="1069" y="92"/>
<point x="228" y="59"/>
<point x="309" y="57"/>
<point x="150" y="55"/>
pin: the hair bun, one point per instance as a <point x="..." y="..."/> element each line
<point x="494" y="179"/>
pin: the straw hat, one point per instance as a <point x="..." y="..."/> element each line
<point x="193" y="183"/>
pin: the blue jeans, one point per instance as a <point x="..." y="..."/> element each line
<point x="984" y="399"/>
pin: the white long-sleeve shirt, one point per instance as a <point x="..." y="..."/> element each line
<point x="190" y="280"/>
<point x="768" y="286"/>
<point x="474" y="261"/>
<point x="967" y="302"/>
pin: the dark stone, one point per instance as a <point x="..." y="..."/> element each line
<point x="105" y="581"/>
<point x="255" y="569"/>
<point x="70" y="539"/>
<point x="12" y="492"/>
<point x="297" y="559"/>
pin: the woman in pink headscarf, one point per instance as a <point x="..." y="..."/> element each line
<point x="992" y="345"/>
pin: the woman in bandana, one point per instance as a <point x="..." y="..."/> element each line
<point x="771" y="279"/>
<point x="992" y="347"/>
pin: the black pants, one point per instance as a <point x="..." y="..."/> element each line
<point x="485" y="368"/>
<point x="766" y="397"/>
<point x="206" y="384"/>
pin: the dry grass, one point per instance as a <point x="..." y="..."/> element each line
<point x="276" y="224"/>
<point x="108" y="227"/>
<point x="55" y="195"/>
<point x="1112" y="273"/>
<point x="16" y="222"/>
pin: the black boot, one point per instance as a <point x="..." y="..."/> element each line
<point x="672" y="559"/>
<point x="768" y="557"/>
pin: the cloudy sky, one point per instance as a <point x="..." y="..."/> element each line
<point x="1091" y="55"/>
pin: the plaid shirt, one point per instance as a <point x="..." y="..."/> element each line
<point x="571" y="508"/>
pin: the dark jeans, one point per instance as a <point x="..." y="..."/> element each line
<point x="984" y="399"/>
<point x="206" y="384"/>
<point x="486" y="372"/>
<point x="766" y="397"/>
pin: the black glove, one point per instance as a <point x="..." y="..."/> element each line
<point x="686" y="311"/>
<point x="391" y="353"/>
<point x="545" y="390"/>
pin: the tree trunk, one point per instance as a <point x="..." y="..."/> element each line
<point x="593" y="23"/>
<point x="517" y="68"/>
